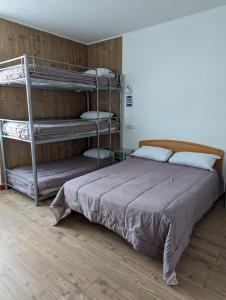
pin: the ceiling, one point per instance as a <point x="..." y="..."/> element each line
<point x="88" y="21"/>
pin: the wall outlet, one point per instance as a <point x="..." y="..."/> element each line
<point x="129" y="126"/>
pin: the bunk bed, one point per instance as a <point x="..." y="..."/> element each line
<point x="38" y="181"/>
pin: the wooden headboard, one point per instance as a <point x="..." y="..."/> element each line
<point x="178" y="146"/>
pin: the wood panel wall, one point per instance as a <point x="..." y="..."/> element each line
<point x="107" y="54"/>
<point x="16" y="40"/>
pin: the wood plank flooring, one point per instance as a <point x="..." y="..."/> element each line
<point x="81" y="260"/>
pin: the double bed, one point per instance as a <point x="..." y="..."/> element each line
<point x="153" y="205"/>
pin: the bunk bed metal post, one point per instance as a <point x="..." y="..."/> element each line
<point x="88" y="108"/>
<point x="109" y="108"/>
<point x="87" y="101"/>
<point x="31" y="125"/>
<point x="121" y="105"/>
<point x="3" y="157"/>
<point x="98" y="124"/>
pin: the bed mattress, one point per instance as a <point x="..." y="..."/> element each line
<point x="40" y="72"/>
<point x="52" y="175"/>
<point x="44" y="130"/>
<point x="153" y="205"/>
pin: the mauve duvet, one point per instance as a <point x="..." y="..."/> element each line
<point x="153" y="205"/>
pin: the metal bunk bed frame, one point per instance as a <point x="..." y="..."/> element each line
<point x="30" y="83"/>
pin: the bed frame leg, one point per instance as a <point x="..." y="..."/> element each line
<point x="172" y="279"/>
<point x="36" y="200"/>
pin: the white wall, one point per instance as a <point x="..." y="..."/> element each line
<point x="178" y="74"/>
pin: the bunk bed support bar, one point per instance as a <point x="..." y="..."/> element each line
<point x="121" y="105"/>
<point x="109" y="108"/>
<point x="88" y="108"/>
<point x="31" y="122"/>
<point x="98" y="124"/>
<point x="3" y="157"/>
<point x="10" y="60"/>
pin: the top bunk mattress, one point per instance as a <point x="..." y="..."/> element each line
<point x="16" y="72"/>
<point x="45" y="130"/>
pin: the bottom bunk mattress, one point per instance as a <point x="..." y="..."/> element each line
<point x="153" y="205"/>
<point x="51" y="175"/>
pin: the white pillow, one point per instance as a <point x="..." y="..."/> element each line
<point x="194" y="159"/>
<point x="100" y="72"/>
<point x="93" y="153"/>
<point x="155" y="153"/>
<point x="94" y="115"/>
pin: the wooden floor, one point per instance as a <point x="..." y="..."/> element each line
<point x="81" y="260"/>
